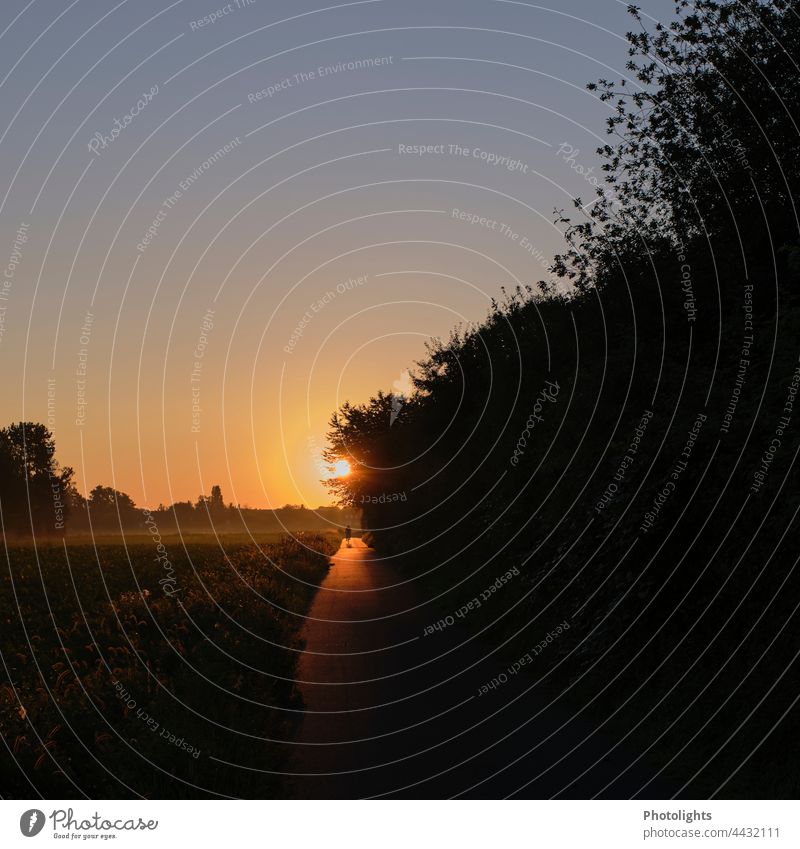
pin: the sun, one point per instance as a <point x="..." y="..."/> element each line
<point x="341" y="469"/>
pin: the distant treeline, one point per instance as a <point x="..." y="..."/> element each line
<point x="38" y="497"/>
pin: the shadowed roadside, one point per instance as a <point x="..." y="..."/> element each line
<point x="392" y="712"/>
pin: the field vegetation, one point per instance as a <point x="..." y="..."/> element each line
<point x="133" y="670"/>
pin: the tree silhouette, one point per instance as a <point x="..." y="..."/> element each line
<point x="110" y="509"/>
<point x="36" y="493"/>
<point x="703" y="137"/>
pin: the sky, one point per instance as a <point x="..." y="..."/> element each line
<point x="222" y="220"/>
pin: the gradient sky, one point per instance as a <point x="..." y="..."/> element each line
<point x="313" y="191"/>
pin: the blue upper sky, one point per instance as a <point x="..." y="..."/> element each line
<point x="247" y="158"/>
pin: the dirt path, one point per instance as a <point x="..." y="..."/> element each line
<point x="392" y="712"/>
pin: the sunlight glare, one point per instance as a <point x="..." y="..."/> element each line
<point x="341" y="469"/>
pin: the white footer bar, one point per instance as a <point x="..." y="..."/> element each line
<point x="400" y="824"/>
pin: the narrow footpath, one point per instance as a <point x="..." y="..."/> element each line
<point x="391" y="712"/>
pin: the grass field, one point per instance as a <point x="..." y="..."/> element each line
<point x="135" y="670"/>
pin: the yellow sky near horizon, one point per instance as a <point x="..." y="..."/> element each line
<point x="206" y="237"/>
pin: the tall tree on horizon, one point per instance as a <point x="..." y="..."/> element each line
<point x="36" y="492"/>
